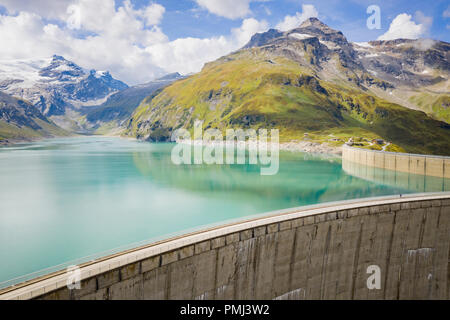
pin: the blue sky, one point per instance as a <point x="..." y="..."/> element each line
<point x="184" y="17"/>
<point x="140" y="40"/>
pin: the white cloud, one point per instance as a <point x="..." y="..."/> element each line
<point x="248" y="28"/>
<point x="291" y="22"/>
<point x="153" y="14"/>
<point x="424" y="44"/>
<point x="125" y="22"/>
<point x="231" y="9"/>
<point x="404" y="27"/>
<point x="188" y="55"/>
<point x="424" y="20"/>
<point x="43" y="8"/>
<point x="24" y="35"/>
<point x="127" y="41"/>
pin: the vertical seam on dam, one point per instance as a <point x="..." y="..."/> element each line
<point x="167" y="291"/>
<point x="216" y="271"/>
<point x="324" y="260"/>
<point x="356" y="258"/>
<point x="255" y="264"/>
<point x="448" y="257"/>
<point x="388" y="260"/>
<point x="292" y="260"/>
<point x="420" y="245"/>
<point x="275" y="235"/>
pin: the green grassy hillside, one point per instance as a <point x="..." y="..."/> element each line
<point x="252" y="88"/>
<point x="437" y="105"/>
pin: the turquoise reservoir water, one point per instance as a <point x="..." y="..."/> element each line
<point x="65" y="199"/>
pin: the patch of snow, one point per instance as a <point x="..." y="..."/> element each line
<point x="363" y="44"/>
<point x="328" y="44"/>
<point x="99" y="74"/>
<point x="90" y="103"/>
<point x="300" y="36"/>
<point x="372" y="55"/>
<point x="62" y="68"/>
<point x="25" y="69"/>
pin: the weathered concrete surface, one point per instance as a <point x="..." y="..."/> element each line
<point x="418" y="173"/>
<point x="322" y="256"/>
<point x="435" y="166"/>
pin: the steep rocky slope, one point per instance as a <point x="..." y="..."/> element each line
<point x="120" y="105"/>
<point x="307" y="82"/>
<point x="20" y="120"/>
<point x="418" y="71"/>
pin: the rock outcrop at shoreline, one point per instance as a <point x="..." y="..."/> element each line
<point x="311" y="147"/>
<point x="293" y="146"/>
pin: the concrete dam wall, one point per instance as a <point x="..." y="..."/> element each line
<point x="326" y="251"/>
<point x="426" y="165"/>
<point x="404" y="180"/>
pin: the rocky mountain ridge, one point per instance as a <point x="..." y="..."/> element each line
<point x="311" y="81"/>
<point x="120" y="106"/>
<point x="20" y="120"/>
<point x="412" y="73"/>
<point x="55" y="85"/>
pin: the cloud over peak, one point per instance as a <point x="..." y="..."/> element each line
<point x="403" y="27"/>
<point x="291" y="22"/>
<point x="231" y="9"/>
<point x="126" y="40"/>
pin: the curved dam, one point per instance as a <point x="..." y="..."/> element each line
<point x="327" y="251"/>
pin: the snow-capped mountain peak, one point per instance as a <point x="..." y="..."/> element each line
<point x="100" y="74"/>
<point x="61" y="69"/>
<point x="54" y="84"/>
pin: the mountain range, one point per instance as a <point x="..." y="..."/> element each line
<point x="78" y="100"/>
<point x="312" y="83"/>
<point x="57" y="87"/>
<point x="20" y="120"/>
<point x="119" y="107"/>
<point x="55" y="84"/>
